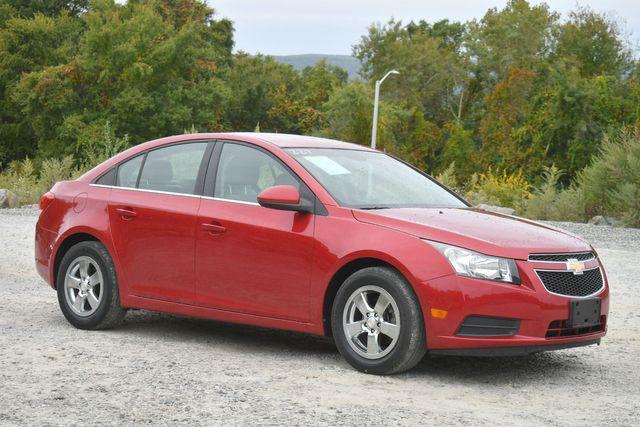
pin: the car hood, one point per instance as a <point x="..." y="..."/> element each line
<point x="486" y="232"/>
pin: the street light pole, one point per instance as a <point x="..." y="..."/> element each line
<point x="374" y="126"/>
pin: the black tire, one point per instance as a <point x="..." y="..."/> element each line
<point x="410" y="347"/>
<point x="109" y="312"/>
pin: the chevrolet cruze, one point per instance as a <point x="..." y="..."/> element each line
<point x="317" y="236"/>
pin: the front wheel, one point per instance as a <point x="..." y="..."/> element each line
<point x="87" y="287"/>
<point x="377" y="323"/>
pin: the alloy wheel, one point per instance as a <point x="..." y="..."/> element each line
<point x="371" y="322"/>
<point x="83" y="286"/>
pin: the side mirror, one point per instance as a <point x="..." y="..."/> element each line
<point x="284" y="198"/>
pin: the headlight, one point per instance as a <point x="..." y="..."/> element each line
<point x="473" y="264"/>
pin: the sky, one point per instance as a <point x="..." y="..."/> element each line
<point x="286" y="27"/>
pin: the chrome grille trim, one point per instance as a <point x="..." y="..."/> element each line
<point x="580" y="256"/>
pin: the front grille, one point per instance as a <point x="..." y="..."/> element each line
<point x="582" y="256"/>
<point x="561" y="328"/>
<point x="572" y="285"/>
<point x="479" y="326"/>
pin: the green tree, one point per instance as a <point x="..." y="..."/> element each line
<point x="254" y="82"/>
<point x="51" y="8"/>
<point x="319" y="82"/>
<point x="507" y="109"/>
<point x="459" y="148"/>
<point x="434" y="71"/>
<point x="29" y="45"/>
<point x="347" y="114"/>
<point x="594" y="44"/>
<point x="518" y="36"/>
<point x="138" y="68"/>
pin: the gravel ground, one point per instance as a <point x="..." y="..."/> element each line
<point x="164" y="369"/>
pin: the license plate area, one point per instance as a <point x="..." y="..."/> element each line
<point x="584" y="312"/>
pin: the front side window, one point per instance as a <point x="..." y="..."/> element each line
<point x="243" y="172"/>
<point x="372" y="180"/>
<point x="128" y="172"/>
<point x="173" y="169"/>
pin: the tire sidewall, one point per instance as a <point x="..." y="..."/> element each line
<point x="410" y="324"/>
<point x="92" y="250"/>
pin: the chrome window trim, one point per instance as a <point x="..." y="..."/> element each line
<point x="593" y="256"/>
<point x="599" y="291"/>
<point x="221" y="199"/>
<point x="144" y="190"/>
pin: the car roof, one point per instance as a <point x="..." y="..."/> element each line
<point x="281" y="140"/>
<point x="284" y="140"/>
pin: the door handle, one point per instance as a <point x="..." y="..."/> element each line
<point x="214" y="227"/>
<point x="126" y="214"/>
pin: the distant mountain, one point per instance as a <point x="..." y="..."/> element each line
<point x="299" y="62"/>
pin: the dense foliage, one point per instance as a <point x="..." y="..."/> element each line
<point x="520" y="101"/>
<point x="519" y="89"/>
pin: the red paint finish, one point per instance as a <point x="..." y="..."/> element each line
<point x="260" y="264"/>
<point x="500" y="235"/>
<point x="153" y="235"/>
<point x="242" y="262"/>
<point x="285" y="194"/>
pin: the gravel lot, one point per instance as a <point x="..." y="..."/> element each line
<point x="164" y="369"/>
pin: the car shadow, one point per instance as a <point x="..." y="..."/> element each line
<point x="254" y="339"/>
<point x="502" y="370"/>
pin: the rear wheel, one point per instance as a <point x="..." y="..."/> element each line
<point x="377" y="322"/>
<point x="87" y="287"/>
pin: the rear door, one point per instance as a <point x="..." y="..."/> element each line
<point x="252" y="259"/>
<point x="152" y="213"/>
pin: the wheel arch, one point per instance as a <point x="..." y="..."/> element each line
<point x="63" y="247"/>
<point x="346" y="270"/>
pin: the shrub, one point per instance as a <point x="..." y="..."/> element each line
<point x="549" y="203"/>
<point x="193" y="129"/>
<point x="626" y="203"/>
<point x="95" y="149"/>
<point x="502" y="189"/>
<point x="448" y="177"/>
<point x="52" y="171"/>
<point x="541" y="203"/>
<point x="569" y="205"/>
<point x="20" y="178"/>
<point x="611" y="183"/>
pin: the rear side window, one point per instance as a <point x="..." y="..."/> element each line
<point x="109" y="178"/>
<point x="173" y="169"/>
<point x="128" y="172"/>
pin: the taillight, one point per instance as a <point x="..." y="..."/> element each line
<point x="46" y="200"/>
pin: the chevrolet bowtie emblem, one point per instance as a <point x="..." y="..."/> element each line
<point x="576" y="266"/>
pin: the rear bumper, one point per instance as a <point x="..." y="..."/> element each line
<point x="44" y="242"/>
<point x="537" y="312"/>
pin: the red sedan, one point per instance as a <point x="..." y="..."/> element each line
<point x="317" y="236"/>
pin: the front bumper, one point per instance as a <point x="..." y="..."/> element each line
<point x="537" y="310"/>
<point x="512" y="351"/>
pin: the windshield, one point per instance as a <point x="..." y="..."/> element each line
<point x="371" y="180"/>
